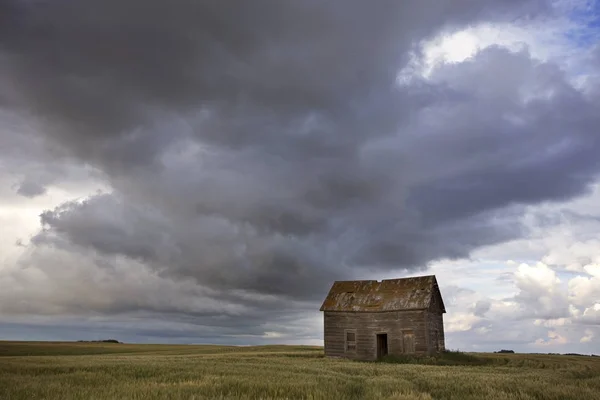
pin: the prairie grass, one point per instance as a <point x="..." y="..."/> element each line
<point x="123" y="371"/>
<point x="445" y="358"/>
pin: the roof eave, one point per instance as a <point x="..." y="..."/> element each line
<point x="376" y="311"/>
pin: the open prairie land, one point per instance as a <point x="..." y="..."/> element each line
<point x="122" y="371"/>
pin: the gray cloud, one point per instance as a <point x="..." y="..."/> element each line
<point x="481" y="307"/>
<point x="29" y="188"/>
<point x="264" y="148"/>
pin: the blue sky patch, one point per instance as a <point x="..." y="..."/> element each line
<point x="587" y="18"/>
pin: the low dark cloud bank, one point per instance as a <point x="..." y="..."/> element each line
<point x="263" y="148"/>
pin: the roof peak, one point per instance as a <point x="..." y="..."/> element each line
<point x="386" y="280"/>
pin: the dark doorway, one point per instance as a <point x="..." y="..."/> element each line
<point x="382" y="345"/>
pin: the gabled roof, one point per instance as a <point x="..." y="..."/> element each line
<point x="387" y="295"/>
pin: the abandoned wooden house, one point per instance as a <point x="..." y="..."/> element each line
<point x="367" y="320"/>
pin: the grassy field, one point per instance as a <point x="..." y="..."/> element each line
<point x="122" y="371"/>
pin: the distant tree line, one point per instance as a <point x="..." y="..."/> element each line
<point x="577" y="354"/>
<point x="99" y="341"/>
<point x="552" y="354"/>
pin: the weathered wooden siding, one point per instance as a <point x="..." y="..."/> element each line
<point x="435" y="325"/>
<point x="435" y="328"/>
<point x="367" y="326"/>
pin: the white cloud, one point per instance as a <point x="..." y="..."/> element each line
<point x="591" y="315"/>
<point x="593" y="270"/>
<point x="583" y="291"/>
<point x="540" y="292"/>
<point x="537" y="279"/>
<point x="482" y="330"/>
<point x="589" y="335"/>
<point x="551" y="323"/>
<point x="460" y="322"/>
<point x="553" y="339"/>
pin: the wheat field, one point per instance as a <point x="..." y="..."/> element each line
<point x="122" y="371"/>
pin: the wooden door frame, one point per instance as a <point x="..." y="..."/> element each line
<point x="387" y="344"/>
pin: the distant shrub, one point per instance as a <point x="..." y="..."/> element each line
<point x="456" y="357"/>
<point x="505" y="351"/>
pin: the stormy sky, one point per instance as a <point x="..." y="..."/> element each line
<point x="202" y="171"/>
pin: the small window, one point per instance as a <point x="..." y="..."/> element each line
<point x="350" y="341"/>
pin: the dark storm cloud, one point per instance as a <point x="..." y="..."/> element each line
<point x="119" y="228"/>
<point x="264" y="147"/>
<point x="98" y="70"/>
<point x="213" y="250"/>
